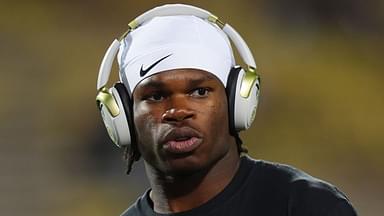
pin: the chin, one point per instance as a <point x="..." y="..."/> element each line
<point x="184" y="166"/>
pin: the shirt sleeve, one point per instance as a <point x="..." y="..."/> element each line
<point x="318" y="198"/>
<point x="343" y="208"/>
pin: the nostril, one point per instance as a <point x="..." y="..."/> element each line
<point x="189" y="116"/>
<point x="176" y="115"/>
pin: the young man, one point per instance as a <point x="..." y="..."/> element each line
<point x="177" y="70"/>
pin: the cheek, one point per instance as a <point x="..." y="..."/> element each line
<point x="144" y="117"/>
<point x="217" y="120"/>
<point x="145" y="122"/>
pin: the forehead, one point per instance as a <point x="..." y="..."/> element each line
<point x="178" y="76"/>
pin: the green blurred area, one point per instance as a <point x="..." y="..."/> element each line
<point x="321" y="105"/>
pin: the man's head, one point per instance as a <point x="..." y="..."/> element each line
<point x="166" y="75"/>
<point x="163" y="44"/>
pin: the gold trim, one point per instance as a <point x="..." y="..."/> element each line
<point x="247" y="83"/>
<point x="105" y="98"/>
<point x="133" y="24"/>
<point x="216" y="20"/>
<point x="251" y="69"/>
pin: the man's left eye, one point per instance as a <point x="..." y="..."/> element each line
<point x="200" y="92"/>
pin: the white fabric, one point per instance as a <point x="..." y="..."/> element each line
<point x="190" y="41"/>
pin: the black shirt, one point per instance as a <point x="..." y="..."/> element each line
<point x="265" y="188"/>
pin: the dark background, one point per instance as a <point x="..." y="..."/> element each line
<point x="321" y="107"/>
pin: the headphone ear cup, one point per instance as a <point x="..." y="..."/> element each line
<point x="118" y="126"/>
<point x="242" y="109"/>
<point x="231" y="94"/>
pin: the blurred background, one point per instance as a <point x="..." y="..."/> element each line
<point x="321" y="107"/>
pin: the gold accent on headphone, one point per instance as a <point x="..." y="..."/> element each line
<point x="133" y="24"/>
<point x="216" y="20"/>
<point x="106" y="99"/>
<point x="248" y="81"/>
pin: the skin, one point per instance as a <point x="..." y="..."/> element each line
<point x="184" y="100"/>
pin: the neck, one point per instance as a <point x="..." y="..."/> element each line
<point x="177" y="193"/>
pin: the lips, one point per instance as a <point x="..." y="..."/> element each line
<point x="181" y="140"/>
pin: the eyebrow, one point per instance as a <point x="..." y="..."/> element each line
<point x="152" y="84"/>
<point x="195" y="82"/>
<point x="190" y="82"/>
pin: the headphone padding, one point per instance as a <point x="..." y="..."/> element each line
<point x="231" y="95"/>
<point x="127" y="106"/>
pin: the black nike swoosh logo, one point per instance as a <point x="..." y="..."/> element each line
<point x="145" y="71"/>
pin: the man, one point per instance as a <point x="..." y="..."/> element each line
<point x="177" y="70"/>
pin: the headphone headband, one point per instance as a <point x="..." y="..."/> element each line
<point x="181" y="9"/>
<point x="174" y="10"/>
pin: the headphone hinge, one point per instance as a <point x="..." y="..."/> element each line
<point x="216" y="20"/>
<point x="105" y="98"/>
<point x="247" y="83"/>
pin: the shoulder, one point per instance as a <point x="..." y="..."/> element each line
<point x="140" y="207"/>
<point x="303" y="193"/>
<point x="293" y="179"/>
<point x="277" y="174"/>
<point x="311" y="195"/>
<point x="132" y="210"/>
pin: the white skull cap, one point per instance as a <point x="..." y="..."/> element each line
<point x="174" y="42"/>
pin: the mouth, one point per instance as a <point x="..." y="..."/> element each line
<point x="181" y="140"/>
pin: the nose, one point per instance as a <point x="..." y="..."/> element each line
<point x="177" y="115"/>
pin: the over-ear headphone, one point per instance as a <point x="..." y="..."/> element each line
<point x="243" y="84"/>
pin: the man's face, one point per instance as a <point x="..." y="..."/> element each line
<point x="181" y="119"/>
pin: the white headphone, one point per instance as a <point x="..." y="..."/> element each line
<point x="243" y="85"/>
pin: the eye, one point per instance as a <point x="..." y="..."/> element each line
<point x="200" y="92"/>
<point x="156" y="97"/>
